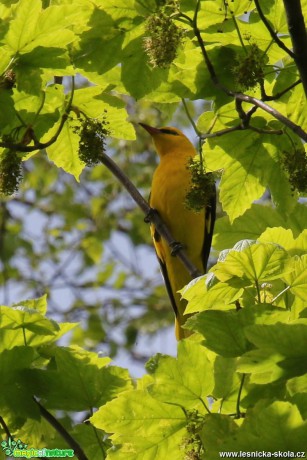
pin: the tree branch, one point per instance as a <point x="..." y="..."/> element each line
<point x="297" y="30"/>
<point x="151" y="215"/>
<point x="262" y="105"/>
<point x="61" y="430"/>
<point x="281" y="93"/>
<point x="273" y="34"/>
<point x="21" y="147"/>
<point x="5" y="428"/>
<point x="243" y="97"/>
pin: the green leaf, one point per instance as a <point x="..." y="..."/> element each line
<point x="15" y="394"/>
<point x="216" y="429"/>
<point x="21" y="317"/>
<point x="239" y="155"/>
<point x="256" y="263"/>
<point x="175" y="379"/>
<point x="143" y="427"/>
<point x="255" y="221"/>
<point x="280" y="351"/>
<point x="225" y="331"/>
<point x="297" y="278"/>
<point x="222" y="331"/>
<point x="23" y="25"/>
<point x="277" y="18"/>
<point x="64" y="152"/>
<point x="7" y="117"/>
<point x="119" y="21"/>
<point x="83" y="376"/>
<point x="207" y="292"/>
<point x="296" y="107"/>
<point x="39" y="304"/>
<point x="87" y="438"/>
<point x="271" y="427"/>
<point x="297" y="385"/>
<point x="96" y="104"/>
<point x="32" y="27"/>
<point x="250" y="162"/>
<point x="226" y="385"/>
<point x="284" y="338"/>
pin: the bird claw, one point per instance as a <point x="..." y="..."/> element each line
<point x="149" y="215"/>
<point x="176" y="246"/>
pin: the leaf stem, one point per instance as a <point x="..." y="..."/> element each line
<point x="238" y="31"/>
<point x="205" y="405"/>
<point x="258" y="290"/>
<point x="238" y="414"/>
<point x="189" y="117"/>
<point x="280" y="294"/>
<point x="24" y="336"/>
<point x="40" y="107"/>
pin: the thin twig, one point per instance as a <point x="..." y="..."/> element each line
<point x="257" y="102"/>
<point x="20" y="147"/>
<point x="281" y="93"/>
<point x="273" y="34"/>
<point x="238" y="30"/>
<point x="189" y="117"/>
<point x="277" y="132"/>
<point x="238" y="415"/>
<point x="5" y="427"/>
<point x="222" y="132"/>
<point x="78" y="451"/>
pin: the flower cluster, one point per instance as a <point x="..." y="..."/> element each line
<point x="249" y="69"/>
<point x="10" y="172"/>
<point x="93" y="133"/>
<point x="201" y="189"/>
<point x="8" y="79"/>
<point x="192" y="444"/>
<point x="295" y="163"/>
<point x="163" y="36"/>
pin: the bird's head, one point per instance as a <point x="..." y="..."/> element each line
<point x="169" y="140"/>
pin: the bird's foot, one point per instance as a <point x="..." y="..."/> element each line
<point x="149" y="216"/>
<point x="176" y="246"/>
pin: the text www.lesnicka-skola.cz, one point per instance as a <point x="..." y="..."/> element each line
<point x="263" y="454"/>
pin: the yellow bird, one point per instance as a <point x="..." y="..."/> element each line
<point x="170" y="184"/>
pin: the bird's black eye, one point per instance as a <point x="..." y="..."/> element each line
<point x="169" y="131"/>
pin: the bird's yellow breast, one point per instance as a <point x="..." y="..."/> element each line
<point x="171" y="181"/>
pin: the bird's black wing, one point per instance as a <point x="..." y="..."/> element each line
<point x="157" y="241"/>
<point x="210" y="213"/>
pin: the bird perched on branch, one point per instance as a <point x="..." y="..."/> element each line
<point x="193" y="230"/>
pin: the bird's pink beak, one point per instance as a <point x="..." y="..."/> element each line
<point x="152" y="131"/>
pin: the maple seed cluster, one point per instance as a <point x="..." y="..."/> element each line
<point x="295" y="163"/>
<point x="8" y="79"/>
<point x="163" y="37"/>
<point x="192" y="444"/>
<point x="93" y="134"/>
<point x="10" y="172"/>
<point x="201" y="189"/>
<point x="249" y="69"/>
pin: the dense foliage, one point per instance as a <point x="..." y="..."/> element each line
<point x="75" y="75"/>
